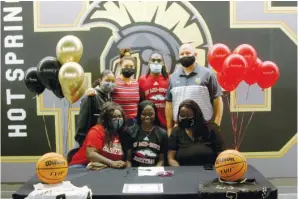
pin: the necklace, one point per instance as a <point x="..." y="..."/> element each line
<point x="147" y="133"/>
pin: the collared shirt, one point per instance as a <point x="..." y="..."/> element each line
<point x="200" y="85"/>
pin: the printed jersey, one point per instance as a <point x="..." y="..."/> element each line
<point x="96" y="138"/>
<point x="146" y="148"/>
<point x="154" y="89"/>
<point x="127" y="96"/>
<point x="64" y="190"/>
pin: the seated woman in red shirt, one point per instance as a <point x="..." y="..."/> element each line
<point x="194" y="141"/>
<point x="106" y="141"/>
<point x="154" y="85"/>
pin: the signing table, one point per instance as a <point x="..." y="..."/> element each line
<point x="187" y="182"/>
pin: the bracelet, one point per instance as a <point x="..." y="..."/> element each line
<point x="110" y="164"/>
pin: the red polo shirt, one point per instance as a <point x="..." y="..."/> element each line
<point x="96" y="138"/>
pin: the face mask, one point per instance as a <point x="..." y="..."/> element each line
<point x="128" y="72"/>
<point x="116" y="124"/>
<point x="155" y="68"/>
<point x="108" y="86"/>
<point x="187" y="61"/>
<point x="186" y="123"/>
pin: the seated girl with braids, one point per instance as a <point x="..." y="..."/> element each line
<point x="105" y="142"/>
<point x="149" y="140"/>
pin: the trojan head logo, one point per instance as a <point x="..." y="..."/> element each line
<point x="145" y="27"/>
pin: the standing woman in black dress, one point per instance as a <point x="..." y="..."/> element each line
<point x="91" y="105"/>
<point x="194" y="141"/>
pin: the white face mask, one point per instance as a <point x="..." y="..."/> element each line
<point x="155" y="68"/>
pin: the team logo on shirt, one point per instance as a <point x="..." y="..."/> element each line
<point x="146" y="153"/>
<point x="148" y="26"/>
<point x="158" y="98"/>
<point x="146" y="156"/>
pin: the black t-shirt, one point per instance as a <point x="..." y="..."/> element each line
<point x="146" y="148"/>
<point x="201" y="152"/>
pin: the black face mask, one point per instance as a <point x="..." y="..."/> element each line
<point x="128" y="72"/>
<point x="187" y="61"/>
<point x="186" y="123"/>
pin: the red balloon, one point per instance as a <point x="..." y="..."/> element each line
<point x="251" y="76"/>
<point x="248" y="52"/>
<point x="217" y="55"/>
<point x="229" y="84"/>
<point x="235" y="67"/>
<point x="268" y="74"/>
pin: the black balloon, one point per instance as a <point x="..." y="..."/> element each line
<point x="47" y="71"/>
<point x="58" y="91"/>
<point x="32" y="82"/>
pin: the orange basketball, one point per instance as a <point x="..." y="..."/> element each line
<point x="231" y="165"/>
<point x="51" y="168"/>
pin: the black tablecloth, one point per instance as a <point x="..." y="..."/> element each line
<point x="190" y="182"/>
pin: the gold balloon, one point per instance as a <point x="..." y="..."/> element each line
<point x="71" y="78"/>
<point x="69" y="49"/>
<point x="77" y="95"/>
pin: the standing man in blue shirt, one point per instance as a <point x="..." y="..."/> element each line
<point x="193" y="82"/>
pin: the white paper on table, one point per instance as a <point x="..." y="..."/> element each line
<point x="142" y="188"/>
<point x="149" y="171"/>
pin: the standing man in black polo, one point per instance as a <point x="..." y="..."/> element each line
<point x="193" y="82"/>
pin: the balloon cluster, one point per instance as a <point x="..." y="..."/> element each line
<point x="242" y="64"/>
<point x="64" y="81"/>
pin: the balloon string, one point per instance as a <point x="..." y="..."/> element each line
<point x="246" y="127"/>
<point x="247" y="92"/>
<point x="240" y="130"/>
<point x="232" y="120"/>
<point x="46" y="130"/>
<point x="236" y="122"/>
<point x="68" y="124"/>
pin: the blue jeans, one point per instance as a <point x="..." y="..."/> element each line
<point x="78" y="166"/>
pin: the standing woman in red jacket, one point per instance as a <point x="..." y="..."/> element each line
<point x="154" y="85"/>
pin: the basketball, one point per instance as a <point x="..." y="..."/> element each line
<point x="51" y="168"/>
<point x="231" y="165"/>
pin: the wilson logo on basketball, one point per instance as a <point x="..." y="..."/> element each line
<point x="54" y="162"/>
<point x="224" y="160"/>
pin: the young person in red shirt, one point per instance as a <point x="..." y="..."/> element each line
<point x="105" y="142"/>
<point x="154" y="85"/>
